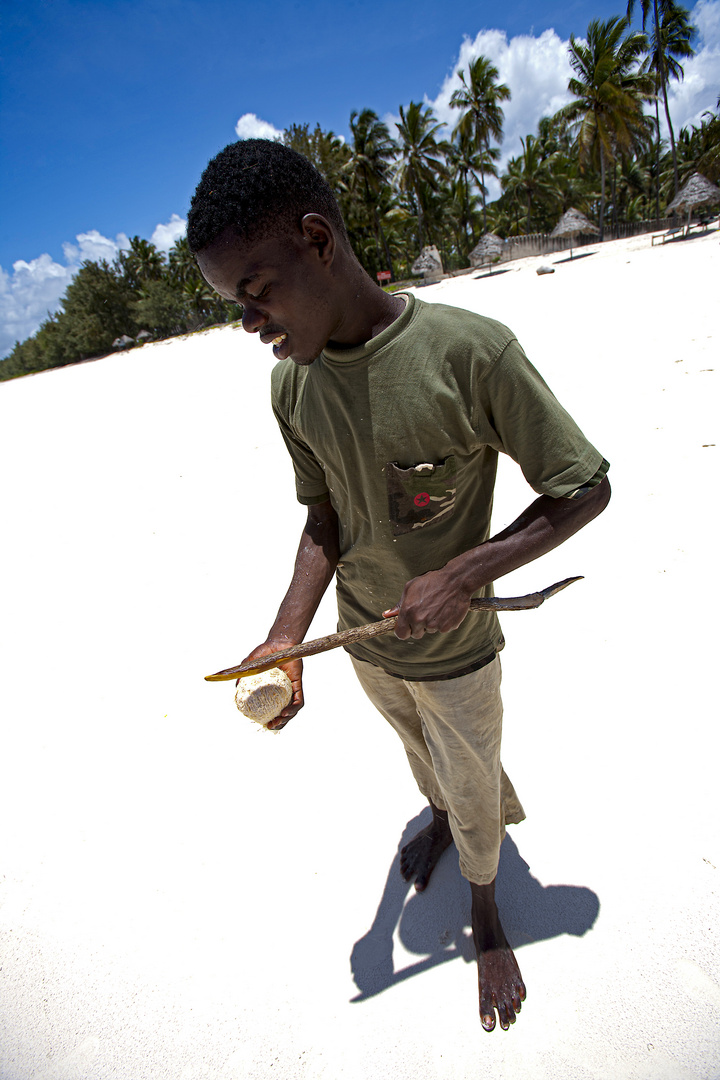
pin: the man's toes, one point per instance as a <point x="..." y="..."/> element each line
<point x="407" y="868"/>
<point x="487" y="1010"/>
<point x="487" y="1020"/>
<point x="517" y="1001"/>
<point x="421" y="882"/>
<point x="521" y="991"/>
<point x="506" y="1015"/>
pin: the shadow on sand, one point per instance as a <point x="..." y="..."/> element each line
<point x="574" y="258"/>
<point x="436" y="924"/>
<point x="490" y="273"/>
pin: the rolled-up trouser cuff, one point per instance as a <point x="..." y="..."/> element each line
<point x="452" y="731"/>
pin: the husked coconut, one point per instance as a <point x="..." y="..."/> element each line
<point x="262" y="697"/>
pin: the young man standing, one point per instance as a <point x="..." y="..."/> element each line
<point x="394" y="412"/>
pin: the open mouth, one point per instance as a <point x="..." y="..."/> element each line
<point x="278" y="340"/>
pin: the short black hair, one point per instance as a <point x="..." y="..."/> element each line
<point x="258" y="187"/>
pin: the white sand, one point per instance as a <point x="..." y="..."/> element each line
<point x="181" y="894"/>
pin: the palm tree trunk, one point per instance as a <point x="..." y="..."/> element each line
<point x="384" y="242"/>
<point x="602" y="192"/>
<point x="663" y="83"/>
<point x="672" y="139"/>
<point x="421" y="229"/>
<point x="482" y="189"/>
<point x="657" y="161"/>
<point x="482" y="192"/>
<point x="614" y="199"/>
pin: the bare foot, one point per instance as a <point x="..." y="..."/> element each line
<point x="420" y="855"/>
<point x="499" y="979"/>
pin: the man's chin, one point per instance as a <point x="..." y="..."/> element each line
<point x="303" y="361"/>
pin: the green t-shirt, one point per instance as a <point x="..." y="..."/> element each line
<point x="402" y="435"/>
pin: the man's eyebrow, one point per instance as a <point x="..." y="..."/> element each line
<point x="240" y="287"/>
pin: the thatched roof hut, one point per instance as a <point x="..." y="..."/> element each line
<point x="428" y="263"/>
<point x="697" y="191"/>
<point x="488" y="247"/>
<point x="573" y="224"/>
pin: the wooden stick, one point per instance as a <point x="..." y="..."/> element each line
<point x="361" y="633"/>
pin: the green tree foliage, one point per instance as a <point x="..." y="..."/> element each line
<point x="482" y="116"/>
<point x="699" y="148"/>
<point x="328" y="153"/>
<point x="530" y="178"/>
<point x="161" y="309"/>
<point x="142" y="262"/>
<point x="610" y="91"/>
<point x="368" y="178"/>
<point x="670" y="41"/>
<point x="465" y="166"/>
<point x="139" y="291"/>
<point x="421" y="163"/>
<point x="397" y="195"/>
<point x="96" y="310"/>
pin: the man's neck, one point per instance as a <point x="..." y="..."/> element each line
<point x="366" y="310"/>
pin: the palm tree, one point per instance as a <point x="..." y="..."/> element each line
<point x="368" y="169"/>
<point x="610" y="90"/>
<point x="670" y="40"/>
<point x="141" y="262"/>
<point x="531" y="176"/>
<point x="421" y="158"/>
<point x="465" y="162"/>
<point x="182" y="266"/>
<point x="480" y="99"/>
<point x="701" y="147"/>
<point x="327" y="152"/>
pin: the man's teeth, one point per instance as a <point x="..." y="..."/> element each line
<point x="279" y="339"/>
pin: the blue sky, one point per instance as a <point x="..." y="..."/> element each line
<point x="110" y="110"/>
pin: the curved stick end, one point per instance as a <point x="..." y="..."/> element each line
<point x="560" y="585"/>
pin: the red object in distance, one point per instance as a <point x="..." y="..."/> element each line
<point x="383" y="275"/>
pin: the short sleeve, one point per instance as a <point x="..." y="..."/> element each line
<point x="310" y="482"/>
<point x="532" y="427"/>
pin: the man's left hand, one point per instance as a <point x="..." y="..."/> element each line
<point x="432" y="603"/>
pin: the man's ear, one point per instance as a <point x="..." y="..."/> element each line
<point x="318" y="232"/>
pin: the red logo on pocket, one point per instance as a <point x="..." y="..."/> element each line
<point x="422" y="499"/>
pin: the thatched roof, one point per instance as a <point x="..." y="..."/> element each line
<point x="488" y="245"/>
<point x="697" y="190"/>
<point x="573" y="223"/>
<point x="428" y="261"/>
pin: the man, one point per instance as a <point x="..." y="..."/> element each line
<point x="394" y="411"/>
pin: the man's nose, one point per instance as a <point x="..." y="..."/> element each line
<point x="253" y="318"/>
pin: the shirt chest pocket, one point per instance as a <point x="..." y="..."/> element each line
<point x="420" y="495"/>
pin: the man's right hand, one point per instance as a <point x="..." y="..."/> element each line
<point x="315" y="564"/>
<point x="293" y="670"/>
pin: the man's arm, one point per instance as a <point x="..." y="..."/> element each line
<point x="315" y="565"/>
<point x="439" y="600"/>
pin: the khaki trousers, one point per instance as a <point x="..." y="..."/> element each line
<point x="451" y="731"/>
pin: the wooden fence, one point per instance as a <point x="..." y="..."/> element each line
<point x="521" y="247"/>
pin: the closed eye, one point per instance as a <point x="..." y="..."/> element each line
<point x="261" y="295"/>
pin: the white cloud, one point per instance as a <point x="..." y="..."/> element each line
<point x="166" y="235"/>
<point x="537" y="70"/>
<point x="706" y="16"/>
<point x="249" y="126"/>
<point x="93" y="246"/>
<point x="33" y="289"/>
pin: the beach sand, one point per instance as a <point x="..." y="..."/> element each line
<point x="185" y="897"/>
